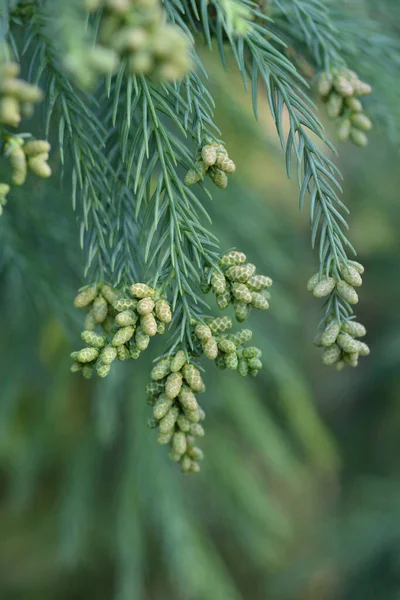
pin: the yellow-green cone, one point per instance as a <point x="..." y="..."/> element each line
<point x="145" y="306"/>
<point x="123" y="335"/>
<point x="163" y="311"/>
<point x="100" y="309"/>
<point x="149" y="324"/>
<point x="178" y="361"/>
<point x="233" y="257"/>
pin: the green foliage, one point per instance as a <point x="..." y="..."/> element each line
<point x="122" y="146"/>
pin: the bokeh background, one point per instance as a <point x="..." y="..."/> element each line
<point x="299" y="495"/>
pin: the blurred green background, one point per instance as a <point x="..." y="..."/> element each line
<point x="299" y="495"/>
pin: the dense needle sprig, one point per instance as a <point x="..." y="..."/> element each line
<point x="141" y="148"/>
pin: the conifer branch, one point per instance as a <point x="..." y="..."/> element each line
<point x="81" y="141"/>
<point x="258" y="57"/>
<point x="183" y="246"/>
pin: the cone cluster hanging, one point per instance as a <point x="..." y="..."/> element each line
<point x="32" y="155"/>
<point x="226" y="349"/>
<point x="238" y="284"/>
<point x="340" y="345"/>
<point x="128" y="324"/>
<point x="17" y="97"/>
<point x="341" y="91"/>
<point x="338" y="338"/>
<point x="137" y="32"/>
<point x="212" y="160"/>
<point x="344" y="287"/>
<point x="176" y="411"/>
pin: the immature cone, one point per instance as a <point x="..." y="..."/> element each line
<point x="123" y="335"/>
<point x="125" y="318"/>
<point x="257" y="283"/>
<point x="142" y="340"/>
<point x="225" y="163"/>
<point x="324" y="287"/>
<point x="347" y="343"/>
<point x="85" y="297"/>
<point x="102" y="369"/>
<point x="87" y="355"/>
<point x="87" y="371"/>
<point x="141" y="290"/>
<point x="233" y="257"/>
<point x="109" y="293"/>
<point x="100" y="309"/>
<point x="351" y="275"/>
<point x="231" y="361"/>
<point x="218" y="282"/>
<point x="188" y="400"/>
<point x="123" y="352"/>
<point x="210" y="349"/>
<point x="259" y="301"/>
<point x="347" y="292"/>
<point x="331" y="355"/>
<point x="39" y="166"/>
<point x="330" y="334"/>
<point x="243" y="336"/>
<point x="251" y="352"/>
<point x="90" y="323"/>
<point x="179" y="444"/>
<point x="123" y="304"/>
<point x="203" y="332"/>
<point x="193" y="378"/>
<point x="209" y="155"/>
<point x="161" y="407"/>
<point x="149" y="324"/>
<point x="219" y="177"/>
<point x="354" y="329"/>
<point x="241" y="274"/>
<point x="242" y="310"/>
<point x="173" y="385"/>
<point x="220" y="324"/>
<point x="19" y="166"/>
<point x="37" y="147"/>
<point x="108" y="355"/>
<point x="145" y="306"/>
<point x="93" y="339"/>
<point x="161" y="369"/>
<point x="242" y="293"/>
<point x="163" y="311"/>
<point x="361" y="122"/>
<point x="358" y="137"/>
<point x="178" y="361"/>
<point x="167" y="423"/>
<point x="223" y="300"/>
<point x="10" y="111"/>
<point x="226" y="345"/>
